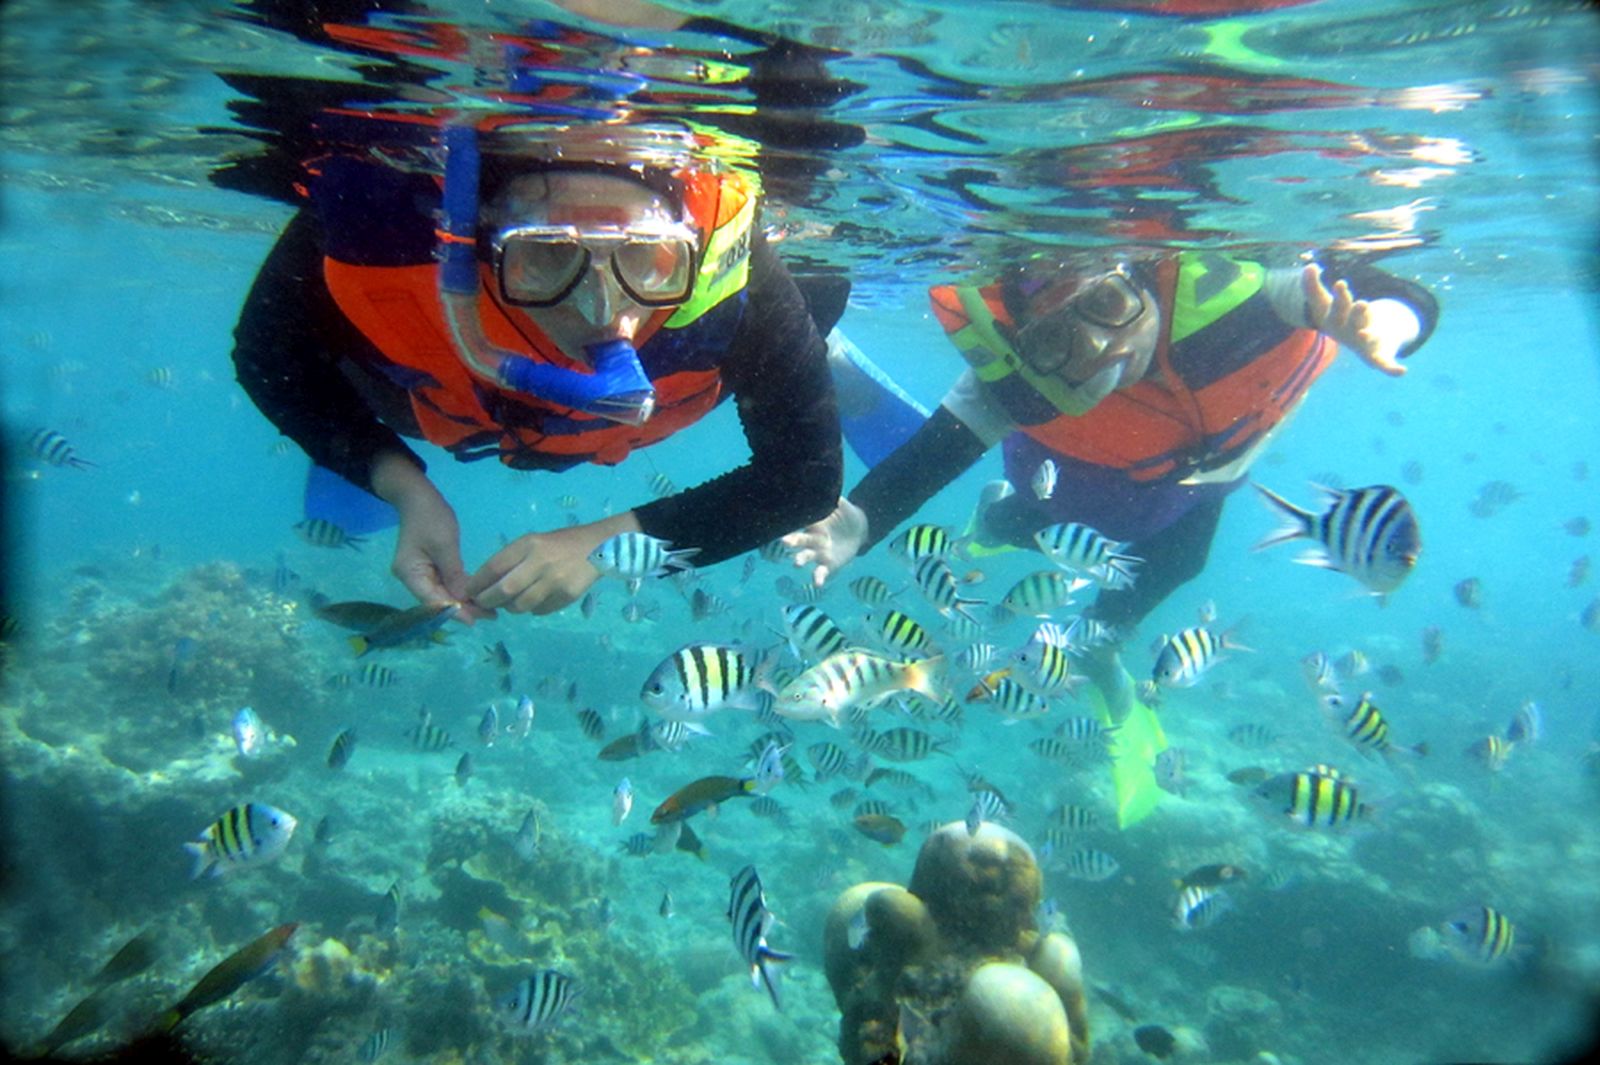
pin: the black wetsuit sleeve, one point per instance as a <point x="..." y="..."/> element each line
<point x="1368" y="282"/>
<point x="287" y="347"/>
<point x="777" y="371"/>
<point x="939" y="452"/>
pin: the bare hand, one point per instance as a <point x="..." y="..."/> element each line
<point x="830" y="543"/>
<point x="427" y="552"/>
<point x="542" y="572"/>
<point x="1375" y="330"/>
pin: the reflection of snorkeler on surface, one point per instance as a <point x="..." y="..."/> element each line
<point x="1152" y="386"/>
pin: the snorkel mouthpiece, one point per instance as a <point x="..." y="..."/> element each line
<point x="617" y="388"/>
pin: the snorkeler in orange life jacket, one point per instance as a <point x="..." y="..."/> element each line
<point x="1152" y="387"/>
<point x="549" y="299"/>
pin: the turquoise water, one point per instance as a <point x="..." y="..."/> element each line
<point x="1460" y="134"/>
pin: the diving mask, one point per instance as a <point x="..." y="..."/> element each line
<point x="540" y="265"/>
<point x="1093" y="335"/>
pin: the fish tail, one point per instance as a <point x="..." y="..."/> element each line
<point x="1228" y="641"/>
<point x="678" y="558"/>
<point x="1297" y="522"/>
<point x="165" y="1022"/>
<point x="922" y="677"/>
<point x="764" y="963"/>
<point x="201" y="862"/>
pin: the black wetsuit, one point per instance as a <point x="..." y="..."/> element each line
<point x="306" y="367"/>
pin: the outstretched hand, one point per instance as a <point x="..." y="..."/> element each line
<point x="540" y="573"/>
<point x="831" y="543"/>
<point x="1375" y="330"/>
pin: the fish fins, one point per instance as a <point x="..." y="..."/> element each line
<point x="924" y="674"/>
<point x="360" y="645"/>
<point x="767" y="975"/>
<point x="1297" y="522"/>
<point x="1136" y="742"/>
<point x="201" y="862"/>
<point x="355" y="510"/>
<point x="875" y="414"/>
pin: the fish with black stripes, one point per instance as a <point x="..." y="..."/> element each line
<point x="537" y="1001"/>
<point x="1364" y="725"/>
<point x="1183" y="657"/>
<point x="249" y="834"/>
<point x="699" y="679"/>
<point x="1313" y="798"/>
<point x="1369" y="533"/>
<point x="747" y="910"/>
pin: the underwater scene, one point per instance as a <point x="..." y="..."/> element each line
<point x="894" y="532"/>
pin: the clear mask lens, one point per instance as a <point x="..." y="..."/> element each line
<point x="541" y="266"/>
<point x="1083" y="326"/>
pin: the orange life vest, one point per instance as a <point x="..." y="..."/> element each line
<point x="399" y="310"/>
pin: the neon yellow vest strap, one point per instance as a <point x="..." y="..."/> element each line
<point x="991" y="355"/>
<point x="1209" y="287"/>
<point x="725" y="265"/>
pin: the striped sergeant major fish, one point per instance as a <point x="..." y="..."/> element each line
<point x="634" y="556"/>
<point x="1045" y="669"/>
<point x="249" y="834"/>
<point x="747" y="909"/>
<point x="1183" y="658"/>
<point x="375" y="1046"/>
<point x="1077" y="547"/>
<point x="906" y="744"/>
<point x="1199" y="906"/>
<point x="1492" y="751"/>
<point x="1037" y="594"/>
<point x="536" y="1002"/>
<point x="901" y="634"/>
<point x="1317" y="668"/>
<point x="1009" y="699"/>
<point x="320" y="532"/>
<point x="699" y="679"/>
<point x="51" y="447"/>
<point x="1364" y="725"/>
<point x="919" y="541"/>
<point x="987" y="805"/>
<point x="873" y="591"/>
<point x="1369" y="533"/>
<point x="938" y="583"/>
<point x="1527" y="727"/>
<point x="1313" y="799"/>
<point x="812" y="633"/>
<point x="1480" y="935"/>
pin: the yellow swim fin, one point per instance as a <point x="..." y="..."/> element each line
<point x="1134" y="747"/>
<point x="970" y="547"/>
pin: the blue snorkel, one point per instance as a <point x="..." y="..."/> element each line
<point x="616" y="388"/>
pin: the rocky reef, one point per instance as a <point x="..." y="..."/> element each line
<point x="952" y="969"/>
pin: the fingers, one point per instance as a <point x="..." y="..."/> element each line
<point x="1382" y="361"/>
<point x="423" y="583"/>
<point x="505" y="589"/>
<point x="1318" y="298"/>
<point x="492" y="572"/>
<point x="819" y="576"/>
